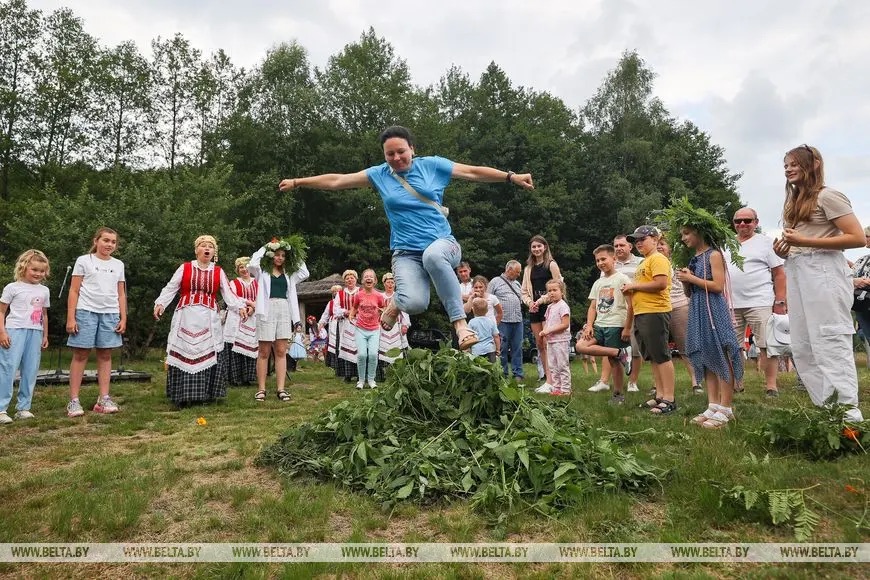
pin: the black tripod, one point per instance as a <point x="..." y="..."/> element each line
<point x="58" y="375"/>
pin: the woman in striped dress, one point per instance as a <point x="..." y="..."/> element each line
<point x="195" y="355"/>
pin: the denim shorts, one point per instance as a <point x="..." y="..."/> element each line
<point x="96" y="330"/>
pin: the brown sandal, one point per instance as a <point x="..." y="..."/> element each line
<point x="389" y="316"/>
<point x="260" y="396"/>
<point x="469" y="340"/>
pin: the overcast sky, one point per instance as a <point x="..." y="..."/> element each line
<point x="759" y="77"/>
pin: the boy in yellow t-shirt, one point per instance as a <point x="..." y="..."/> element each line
<point x="651" y="301"/>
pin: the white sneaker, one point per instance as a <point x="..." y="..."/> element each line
<point x="24" y="415"/>
<point x="373" y="385"/>
<point x="598" y="387"/>
<point x="545" y="389"/>
<point x="4" y="418"/>
<point x="360" y="385"/>
<point x="632" y="388"/>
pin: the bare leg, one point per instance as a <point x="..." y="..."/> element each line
<point x="664" y="378"/>
<point x="605" y="370"/>
<point x="77" y="370"/>
<point x="265" y="349"/>
<point x="104" y="370"/>
<point x="280" y="346"/>
<point x="771" y="368"/>
<point x="541" y="344"/>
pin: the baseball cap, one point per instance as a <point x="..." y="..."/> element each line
<point x="643" y="231"/>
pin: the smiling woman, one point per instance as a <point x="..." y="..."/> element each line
<point x="422" y="243"/>
<point x="818" y="225"/>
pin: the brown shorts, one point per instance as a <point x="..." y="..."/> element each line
<point x="651" y="331"/>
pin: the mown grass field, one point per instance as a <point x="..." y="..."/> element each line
<point x="152" y="474"/>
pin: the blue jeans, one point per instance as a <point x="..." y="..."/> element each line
<point x="413" y="271"/>
<point x="511" y="340"/>
<point x="24" y="353"/>
<point x="367" y="352"/>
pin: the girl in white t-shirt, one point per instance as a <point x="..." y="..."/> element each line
<point x="96" y="318"/>
<point x="24" y="332"/>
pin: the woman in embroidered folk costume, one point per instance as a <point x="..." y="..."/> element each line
<point x="329" y="321"/>
<point x="240" y="336"/>
<point x="395" y="337"/>
<point x="345" y="333"/>
<point x="278" y="267"/>
<point x="421" y="240"/>
<point x="818" y="224"/>
<point x="195" y="353"/>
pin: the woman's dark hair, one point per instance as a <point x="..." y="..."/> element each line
<point x="397" y="131"/>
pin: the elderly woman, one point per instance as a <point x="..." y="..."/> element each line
<point x="395" y="337"/>
<point x="240" y="337"/>
<point x="421" y="240"/>
<point x="195" y="355"/>
<point x="345" y="334"/>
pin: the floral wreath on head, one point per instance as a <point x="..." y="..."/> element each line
<point x="294" y="253"/>
<point x="714" y="230"/>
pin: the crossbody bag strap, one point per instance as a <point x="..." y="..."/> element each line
<point x="441" y="209"/>
<point x="509" y="285"/>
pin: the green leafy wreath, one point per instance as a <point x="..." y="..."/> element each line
<point x="714" y="230"/>
<point x="294" y="253"/>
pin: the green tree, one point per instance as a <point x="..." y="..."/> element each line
<point x="63" y="92"/>
<point x="122" y="80"/>
<point x="19" y="33"/>
<point x="174" y="67"/>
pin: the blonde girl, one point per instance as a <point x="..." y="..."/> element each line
<point x="557" y="334"/>
<point x="23" y="331"/>
<point x="819" y="224"/>
<point x="96" y="318"/>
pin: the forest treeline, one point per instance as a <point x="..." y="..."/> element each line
<point x="169" y="144"/>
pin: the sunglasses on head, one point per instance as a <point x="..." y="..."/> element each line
<point x="743" y="220"/>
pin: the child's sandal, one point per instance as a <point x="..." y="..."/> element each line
<point x="699" y="419"/>
<point x="283" y="396"/>
<point x="664" y="408"/>
<point x="717" y="421"/>
<point x="260" y="396"/>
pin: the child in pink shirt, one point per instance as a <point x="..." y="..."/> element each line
<point x="557" y="333"/>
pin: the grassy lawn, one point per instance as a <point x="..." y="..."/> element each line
<point x="152" y="474"/>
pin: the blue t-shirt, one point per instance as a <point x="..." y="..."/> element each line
<point x="414" y="224"/>
<point x="486" y="330"/>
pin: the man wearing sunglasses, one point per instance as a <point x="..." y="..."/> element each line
<point x="757" y="290"/>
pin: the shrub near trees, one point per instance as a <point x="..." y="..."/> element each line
<point x="166" y="146"/>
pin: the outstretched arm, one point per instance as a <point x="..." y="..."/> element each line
<point x="328" y="181"/>
<point x="491" y="175"/>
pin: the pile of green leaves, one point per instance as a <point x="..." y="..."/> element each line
<point x="445" y="425"/>
<point x="820" y="432"/>
<point x="715" y="230"/>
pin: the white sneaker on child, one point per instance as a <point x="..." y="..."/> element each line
<point x="74" y="409"/>
<point x="545" y="389"/>
<point x="24" y="415"/>
<point x="5" y="418"/>
<point x="632" y="388"/>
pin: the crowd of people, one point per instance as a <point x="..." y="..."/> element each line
<point x="637" y="308"/>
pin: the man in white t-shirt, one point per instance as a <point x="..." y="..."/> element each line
<point x="757" y="290"/>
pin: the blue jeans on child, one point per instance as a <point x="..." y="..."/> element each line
<point x="367" y="352"/>
<point x="413" y="271"/>
<point x="24" y="353"/>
